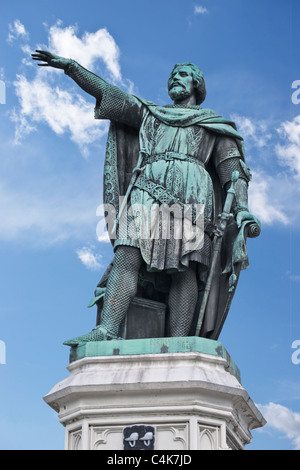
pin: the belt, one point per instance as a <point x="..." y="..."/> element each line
<point x="169" y="156"/>
<point x="162" y="195"/>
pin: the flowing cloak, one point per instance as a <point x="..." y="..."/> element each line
<point x="121" y="157"/>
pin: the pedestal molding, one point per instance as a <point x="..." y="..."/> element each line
<point x="196" y="395"/>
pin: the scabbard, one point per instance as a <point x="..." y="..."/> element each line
<point x="216" y="246"/>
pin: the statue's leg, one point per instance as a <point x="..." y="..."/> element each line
<point x="120" y="291"/>
<point x="121" y="287"/>
<point x="182" y="301"/>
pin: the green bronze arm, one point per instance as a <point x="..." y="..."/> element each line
<point x="87" y="80"/>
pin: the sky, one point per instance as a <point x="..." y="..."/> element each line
<point x="52" y="249"/>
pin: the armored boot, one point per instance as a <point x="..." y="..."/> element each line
<point x="99" y="333"/>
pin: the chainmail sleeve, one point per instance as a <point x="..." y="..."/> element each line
<point x="227" y="158"/>
<point x="87" y="80"/>
<point x="111" y="102"/>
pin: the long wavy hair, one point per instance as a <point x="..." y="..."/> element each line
<point x="198" y="78"/>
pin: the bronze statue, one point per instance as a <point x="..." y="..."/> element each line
<point x="182" y="156"/>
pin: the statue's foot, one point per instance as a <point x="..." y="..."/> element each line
<point x="97" y="334"/>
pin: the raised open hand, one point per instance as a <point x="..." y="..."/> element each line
<point x="50" y="60"/>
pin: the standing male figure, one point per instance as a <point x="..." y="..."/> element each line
<point x="188" y="156"/>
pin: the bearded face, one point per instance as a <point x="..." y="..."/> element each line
<point x="181" y="83"/>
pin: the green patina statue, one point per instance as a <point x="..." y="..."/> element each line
<point x="177" y="175"/>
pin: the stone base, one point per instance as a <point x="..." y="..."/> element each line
<point x="186" y="390"/>
<point x="145" y="319"/>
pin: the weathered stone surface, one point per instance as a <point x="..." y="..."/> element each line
<point x="188" y="389"/>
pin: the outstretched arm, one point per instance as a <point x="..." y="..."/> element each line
<point x="87" y="80"/>
<point x="50" y="60"/>
<point x="111" y="102"/>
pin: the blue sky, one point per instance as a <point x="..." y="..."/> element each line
<point x="51" y="159"/>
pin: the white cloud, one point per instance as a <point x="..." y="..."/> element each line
<point x="264" y="200"/>
<point x="253" y="132"/>
<point x="17" y="31"/>
<point x="200" y="10"/>
<point x="273" y="192"/>
<point x="284" y="420"/>
<point x="89" y="259"/>
<point x="43" y="102"/>
<point x="42" y="99"/>
<point x="86" y="50"/>
<point x="289" y="151"/>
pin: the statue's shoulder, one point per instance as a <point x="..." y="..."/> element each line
<point x="145" y="102"/>
<point x="209" y="113"/>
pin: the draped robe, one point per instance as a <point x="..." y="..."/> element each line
<point x="215" y="148"/>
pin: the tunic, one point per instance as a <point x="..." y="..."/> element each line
<point x="175" y="158"/>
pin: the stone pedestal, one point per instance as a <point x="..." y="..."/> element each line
<point x="145" y="319"/>
<point x="187" y="391"/>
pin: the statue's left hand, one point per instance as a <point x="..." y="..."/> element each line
<point x="246" y="216"/>
<point x="51" y="60"/>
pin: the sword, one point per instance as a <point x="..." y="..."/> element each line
<point x="252" y="231"/>
<point x="216" y="246"/>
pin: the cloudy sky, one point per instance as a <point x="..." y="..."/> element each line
<point x="52" y="248"/>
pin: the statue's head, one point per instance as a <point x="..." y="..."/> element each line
<point x="186" y="78"/>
